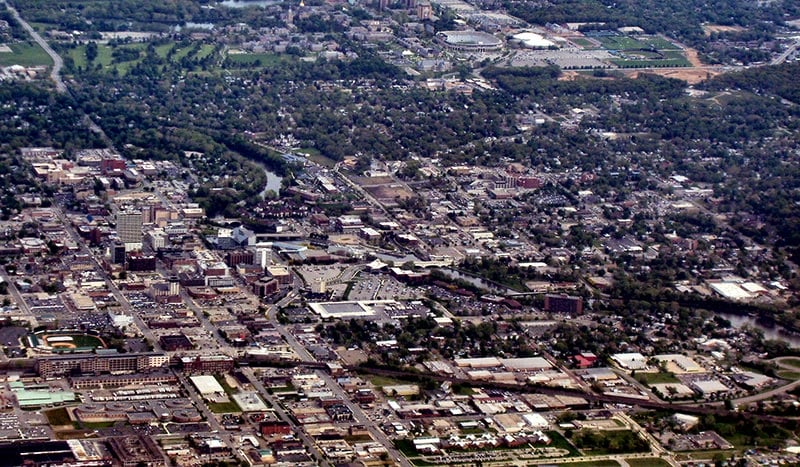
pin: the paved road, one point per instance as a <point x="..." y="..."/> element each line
<point x="358" y="414"/>
<point x="58" y="63"/>
<point x="283" y="416"/>
<point x="774" y="391"/>
<point x="766" y="395"/>
<point x="786" y="53"/>
<point x="211" y="418"/>
<point x="110" y="285"/>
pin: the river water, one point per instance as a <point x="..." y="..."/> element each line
<point x="273" y="180"/>
<point x="774" y="333"/>
<point x="477" y="281"/>
<point x="738" y="321"/>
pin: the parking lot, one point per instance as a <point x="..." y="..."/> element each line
<point x="564" y="58"/>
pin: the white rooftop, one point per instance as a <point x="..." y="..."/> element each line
<point x="206" y="384"/>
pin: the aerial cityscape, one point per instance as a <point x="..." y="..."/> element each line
<point x="399" y="233"/>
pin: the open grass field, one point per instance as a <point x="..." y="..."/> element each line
<point x="224" y="407"/>
<point x="585" y="43"/>
<point x="647" y="462"/>
<point x="656" y="378"/>
<point x="642" y="51"/>
<point x="666" y="63"/>
<point x="134" y="53"/>
<point x="791" y="361"/>
<point x="790" y="375"/>
<point x="105" y="57"/>
<point x="315" y="156"/>
<point x="255" y="59"/>
<point x="557" y="440"/>
<point x="25" y="54"/>
<point x="74" y="434"/>
<point x="597" y="463"/>
<point x="609" y="442"/>
<point x="701" y="455"/>
<point x="636" y="43"/>
<point x="205" y="51"/>
<point x="83" y="340"/>
<point x="381" y="381"/>
<point x="77" y="341"/>
<point x="58" y="417"/>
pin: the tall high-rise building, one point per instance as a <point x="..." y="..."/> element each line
<point x="129" y="229"/>
<point x="117" y="252"/>
<point x="424" y="10"/>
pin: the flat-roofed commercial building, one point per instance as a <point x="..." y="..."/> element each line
<point x="65" y="365"/>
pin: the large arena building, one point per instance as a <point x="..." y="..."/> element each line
<point x="470" y="41"/>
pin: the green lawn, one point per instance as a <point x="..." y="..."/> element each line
<point x="745" y="435"/>
<point x="164" y="49"/>
<point x="598" y="463"/>
<point x="227" y="387"/>
<point x="585" y="43"/>
<point x="41" y="27"/>
<point x="81" y="340"/>
<point x="250" y="59"/>
<point x="621" y="43"/>
<point x="631" y="43"/>
<point x="315" y="156"/>
<point x="702" y="455"/>
<point x="104" y="57"/>
<point x="58" y="417"/>
<point x="659" y="43"/>
<point x="224" y="407"/>
<point x="793" y="362"/>
<point x="181" y="52"/>
<point x="25" y="54"/>
<point x="593" y="442"/>
<point x="791" y="375"/>
<point x="656" y="378"/>
<point x="205" y="51"/>
<point x="280" y="389"/>
<point x="643" y="54"/>
<point x="93" y="425"/>
<point x="73" y="434"/>
<point x="406" y="446"/>
<point x="381" y="381"/>
<point x="668" y="63"/>
<point x="557" y="440"/>
<point x="647" y="462"/>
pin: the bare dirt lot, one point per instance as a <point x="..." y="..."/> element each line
<point x="692" y="56"/>
<point x="690" y="75"/>
<point x="389" y="192"/>
<point x="708" y="29"/>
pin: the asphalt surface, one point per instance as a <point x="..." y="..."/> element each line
<point x="58" y="63"/>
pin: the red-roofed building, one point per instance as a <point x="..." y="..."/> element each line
<point x="585" y="360"/>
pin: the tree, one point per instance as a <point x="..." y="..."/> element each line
<point x="91" y="51"/>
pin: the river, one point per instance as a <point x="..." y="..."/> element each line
<point x="273" y="180"/>
<point x="478" y="282"/>
<point x="775" y="332"/>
